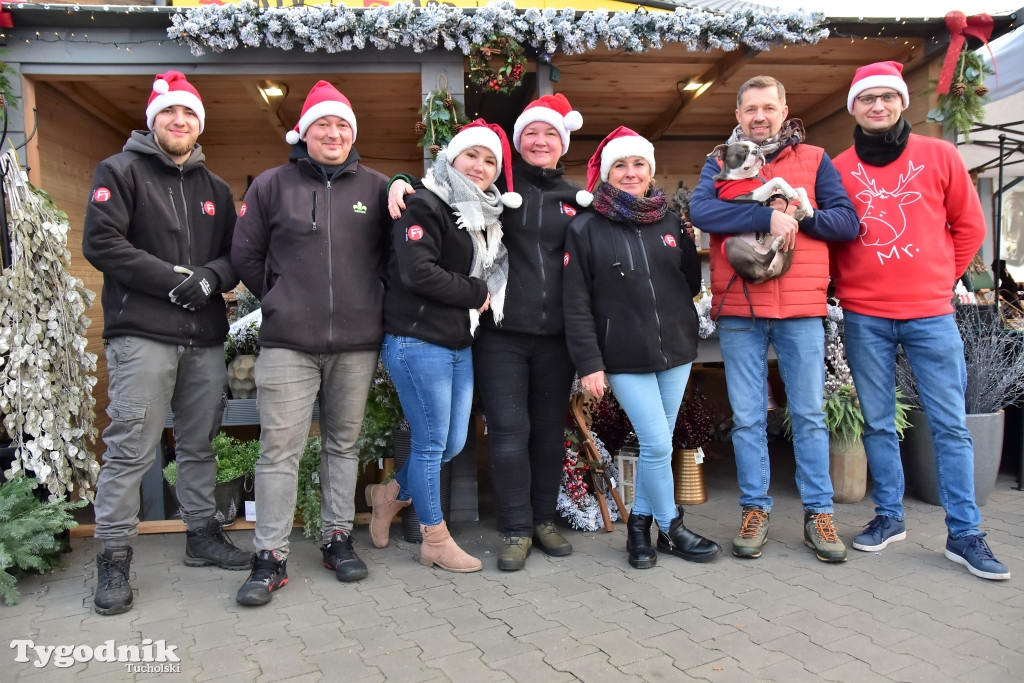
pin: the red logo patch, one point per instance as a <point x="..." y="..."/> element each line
<point x="414" y="233"/>
<point x="565" y="259"/>
<point x="100" y="194"/>
<point x="241" y="211"/>
<point x="568" y="209"/>
<point x="669" y="240"/>
<point x="209" y="208"/>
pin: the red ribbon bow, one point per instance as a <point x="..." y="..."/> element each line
<point x="960" y="26"/>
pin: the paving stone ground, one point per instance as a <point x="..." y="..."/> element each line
<point x="904" y="614"/>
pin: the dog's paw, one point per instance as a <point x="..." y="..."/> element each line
<point x="803" y="213"/>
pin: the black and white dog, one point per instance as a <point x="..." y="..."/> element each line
<point x="748" y="254"/>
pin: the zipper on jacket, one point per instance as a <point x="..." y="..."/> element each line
<point x="183" y="221"/>
<point x="330" y="267"/>
<point x="314" y="210"/>
<point x="654" y="293"/>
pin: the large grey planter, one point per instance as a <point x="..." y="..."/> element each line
<point x="918" y="453"/>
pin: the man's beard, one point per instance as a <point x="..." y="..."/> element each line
<point x="173" y="146"/>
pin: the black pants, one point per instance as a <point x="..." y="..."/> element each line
<point x="523" y="382"/>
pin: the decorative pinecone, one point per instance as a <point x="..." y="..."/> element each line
<point x="434" y="149"/>
<point x="420" y="128"/>
<point x="958" y="89"/>
<point x="981" y="90"/>
<point x="456" y="127"/>
<point x="449" y="102"/>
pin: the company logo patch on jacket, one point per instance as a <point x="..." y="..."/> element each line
<point x="669" y="240"/>
<point x="565" y="259"/>
<point x="209" y="208"/>
<point x="100" y="194"/>
<point x="242" y="210"/>
<point x="414" y="233"/>
<point x="359" y="207"/>
<point x="567" y="209"/>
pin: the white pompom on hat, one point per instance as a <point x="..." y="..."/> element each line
<point x="620" y="143"/>
<point x="878" y="75"/>
<point x="171" y="88"/>
<point x="479" y="133"/>
<point x="323" y="100"/>
<point x="553" y="110"/>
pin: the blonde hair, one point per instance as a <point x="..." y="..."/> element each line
<point x="761" y="82"/>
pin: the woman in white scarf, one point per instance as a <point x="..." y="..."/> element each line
<point x="446" y="266"/>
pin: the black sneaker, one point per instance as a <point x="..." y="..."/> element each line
<point x="113" y="591"/>
<point x="268" y="574"/>
<point x="341" y="557"/>
<point x="209" y="545"/>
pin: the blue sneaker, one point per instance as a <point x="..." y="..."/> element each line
<point x="880" y="532"/>
<point x="973" y="552"/>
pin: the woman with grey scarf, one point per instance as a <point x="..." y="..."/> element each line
<point x="446" y="266"/>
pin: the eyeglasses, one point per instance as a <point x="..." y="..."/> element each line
<point x="887" y="98"/>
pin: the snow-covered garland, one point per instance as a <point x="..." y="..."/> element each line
<point x="576" y="503"/>
<point x="336" y="28"/>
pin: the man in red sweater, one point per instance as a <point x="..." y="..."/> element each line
<point x="921" y="222"/>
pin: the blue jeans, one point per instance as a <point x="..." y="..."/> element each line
<point x="435" y="387"/>
<point x="651" y="401"/>
<point x="936" y="354"/>
<point x="800" y="346"/>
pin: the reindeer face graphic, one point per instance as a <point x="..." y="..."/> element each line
<point x="883" y="220"/>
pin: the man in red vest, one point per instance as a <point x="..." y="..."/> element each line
<point x="785" y="312"/>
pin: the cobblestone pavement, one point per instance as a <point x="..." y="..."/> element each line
<point x="904" y="614"/>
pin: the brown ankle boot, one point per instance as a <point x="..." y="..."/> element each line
<point x="440" y="548"/>
<point x="383" y="498"/>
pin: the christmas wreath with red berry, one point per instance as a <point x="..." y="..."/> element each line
<point x="497" y="65"/>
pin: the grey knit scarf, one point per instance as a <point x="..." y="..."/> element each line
<point x="478" y="213"/>
<point x="791" y="133"/>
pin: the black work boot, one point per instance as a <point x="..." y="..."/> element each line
<point x="113" y="592"/>
<point x="682" y="542"/>
<point x="341" y="557"/>
<point x="638" y="541"/>
<point x="269" y="572"/>
<point x="208" y="545"/>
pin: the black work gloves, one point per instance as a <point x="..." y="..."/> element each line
<point x="195" y="291"/>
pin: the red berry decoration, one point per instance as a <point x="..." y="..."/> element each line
<point x="497" y="64"/>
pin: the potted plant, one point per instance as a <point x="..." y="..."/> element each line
<point x="236" y="463"/>
<point x="240" y="350"/>
<point x="307" y="498"/>
<point x="694" y="429"/>
<point x="994" y="356"/>
<point x="382" y="419"/>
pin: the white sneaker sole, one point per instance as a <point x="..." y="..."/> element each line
<point x="977" y="572"/>
<point x="881" y="546"/>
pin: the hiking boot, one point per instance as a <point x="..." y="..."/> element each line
<point x="209" y="545"/>
<point x="548" y="539"/>
<point x="638" y="541"/>
<point x="341" y="557"/>
<point x="973" y="552"/>
<point x="820" y="534"/>
<point x="753" y="533"/>
<point x="113" y="591"/>
<point x="268" y="574"/>
<point x="880" y="532"/>
<point x="682" y="542"/>
<point x="513" y="555"/>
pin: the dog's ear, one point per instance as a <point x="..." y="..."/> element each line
<point x="718" y="152"/>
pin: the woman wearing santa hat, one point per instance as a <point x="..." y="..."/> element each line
<point x="630" y="276"/>
<point x="523" y="370"/>
<point x="446" y="266"/>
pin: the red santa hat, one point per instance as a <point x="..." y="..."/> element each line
<point x="323" y="100"/>
<point x="878" y="75"/>
<point x="479" y="133"/>
<point x="620" y="143"/>
<point x="169" y="89"/>
<point x="553" y="110"/>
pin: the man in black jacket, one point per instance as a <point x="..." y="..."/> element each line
<point x="158" y="226"/>
<point x="310" y="243"/>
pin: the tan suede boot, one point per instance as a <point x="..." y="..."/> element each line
<point x="383" y="498"/>
<point x="439" y="548"/>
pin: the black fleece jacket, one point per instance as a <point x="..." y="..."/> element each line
<point x="629" y="295"/>
<point x="146" y="215"/>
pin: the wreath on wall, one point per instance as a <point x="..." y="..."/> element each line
<point x="441" y="117"/>
<point x="498" y="64"/>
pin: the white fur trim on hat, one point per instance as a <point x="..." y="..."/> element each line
<point x="563" y="124"/>
<point x="878" y="75"/>
<point x="318" y="111"/>
<point x="622" y="147"/>
<point x="169" y="98"/>
<point x="476" y="136"/>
